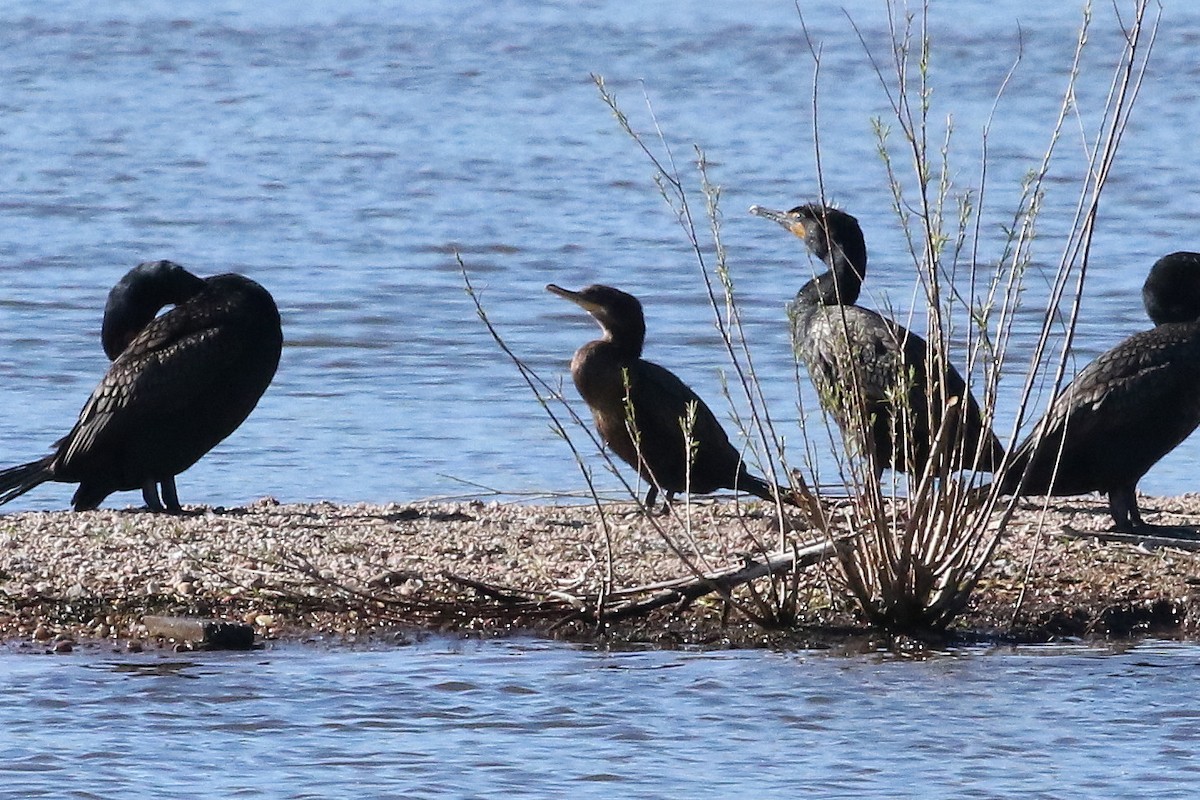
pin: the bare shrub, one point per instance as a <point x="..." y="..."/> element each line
<point x="921" y="540"/>
<point x="928" y="535"/>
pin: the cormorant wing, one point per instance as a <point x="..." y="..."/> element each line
<point x="1149" y="381"/>
<point x="661" y="401"/>
<point x="886" y="352"/>
<point x="155" y="380"/>
<point x="858" y="339"/>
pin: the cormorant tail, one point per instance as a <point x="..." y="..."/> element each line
<point x="16" y="481"/>
<point x="772" y="494"/>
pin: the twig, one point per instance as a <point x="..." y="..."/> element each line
<point x="724" y="581"/>
<point x="1184" y="538"/>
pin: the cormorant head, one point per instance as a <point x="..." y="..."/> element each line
<point x="138" y="296"/>
<point x="618" y="313"/>
<point x="831" y="235"/>
<point x="1171" y="292"/>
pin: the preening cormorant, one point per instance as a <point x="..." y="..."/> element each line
<point x="642" y="410"/>
<point x="184" y="381"/>
<point x="132" y="303"/>
<point x="138" y="297"/>
<point x="852" y="352"/>
<point x="1125" y="410"/>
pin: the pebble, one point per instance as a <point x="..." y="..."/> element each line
<point x="139" y="564"/>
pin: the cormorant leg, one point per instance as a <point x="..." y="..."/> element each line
<point x="170" y="496"/>
<point x="150" y="495"/>
<point x="668" y="498"/>
<point x="651" y="497"/>
<point x="1122" y="504"/>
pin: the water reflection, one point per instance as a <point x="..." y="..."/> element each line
<point x="157" y="668"/>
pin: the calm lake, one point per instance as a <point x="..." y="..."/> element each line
<point x="341" y="154"/>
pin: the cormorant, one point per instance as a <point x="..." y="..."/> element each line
<point x="1125" y="410"/>
<point x="185" y="381"/>
<point x="132" y="303"/>
<point x="852" y="351"/>
<point x="643" y="411"/>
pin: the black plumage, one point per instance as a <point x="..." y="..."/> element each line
<point x="138" y="297"/>
<point x="184" y="381"/>
<point x="132" y="303"/>
<point x="1125" y="410"/>
<point x="870" y="373"/>
<point x="647" y="415"/>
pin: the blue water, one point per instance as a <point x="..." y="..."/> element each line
<point x="341" y="153"/>
<point x="521" y="719"/>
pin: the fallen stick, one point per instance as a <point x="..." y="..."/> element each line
<point x="1184" y="538"/>
<point x="208" y="634"/>
<point x="725" y="580"/>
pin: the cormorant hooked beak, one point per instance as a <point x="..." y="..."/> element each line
<point x="577" y="298"/>
<point x="784" y="218"/>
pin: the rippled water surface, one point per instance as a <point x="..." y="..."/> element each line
<point x="522" y="719"/>
<point x="341" y="153"/>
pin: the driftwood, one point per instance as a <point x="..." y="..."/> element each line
<point x="1180" y="538"/>
<point x="206" y="634"/>
<point x="379" y="600"/>
<point x="683" y="591"/>
<point x="633" y="602"/>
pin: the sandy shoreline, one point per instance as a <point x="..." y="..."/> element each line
<point x="296" y="571"/>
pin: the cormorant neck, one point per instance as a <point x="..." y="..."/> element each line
<point x="840" y="285"/>
<point x="138" y="297"/>
<point x="846" y="257"/>
<point x="627" y="339"/>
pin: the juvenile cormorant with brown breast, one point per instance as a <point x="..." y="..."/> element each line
<point x="1125" y="410"/>
<point x="851" y="350"/>
<point x="178" y="385"/>
<point x="646" y="414"/>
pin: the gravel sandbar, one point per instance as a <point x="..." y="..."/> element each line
<point x="305" y="570"/>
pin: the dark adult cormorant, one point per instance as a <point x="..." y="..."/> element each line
<point x="1125" y="410"/>
<point x="185" y="381"/>
<point x="661" y="407"/>
<point x="850" y="350"/>
<point x="132" y="303"/>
